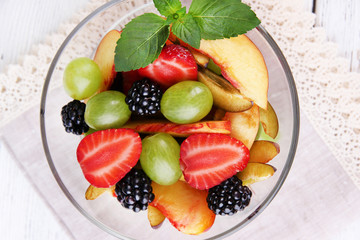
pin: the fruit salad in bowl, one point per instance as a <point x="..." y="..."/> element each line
<point x="173" y="121"/>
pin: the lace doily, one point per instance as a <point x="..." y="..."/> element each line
<point x="328" y="93"/>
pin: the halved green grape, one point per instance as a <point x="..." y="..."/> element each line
<point x="186" y="102"/>
<point x="82" y="78"/>
<point x="107" y="110"/>
<point x="160" y="158"/>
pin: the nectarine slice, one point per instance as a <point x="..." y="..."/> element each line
<point x="225" y="95"/>
<point x="180" y="130"/>
<point x="155" y="217"/>
<point x="269" y="121"/>
<point x="104" y="57"/>
<point x="185" y="207"/>
<point x="200" y="58"/>
<point x="244" y="125"/>
<point x="94" y="192"/>
<point x="242" y="64"/>
<point x="255" y="172"/>
<point x="263" y="151"/>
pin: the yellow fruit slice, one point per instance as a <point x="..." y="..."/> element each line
<point x="255" y="172"/>
<point x="93" y="192"/>
<point x="263" y="151"/>
<point x="155" y="216"/>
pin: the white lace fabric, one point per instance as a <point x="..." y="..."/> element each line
<point x="328" y="92"/>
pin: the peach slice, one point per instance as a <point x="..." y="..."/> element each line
<point x="244" y="125"/>
<point x="185" y="207"/>
<point x="93" y="192"/>
<point x="255" y="172"/>
<point x="200" y="58"/>
<point x="104" y="57"/>
<point x="242" y="64"/>
<point x="225" y="95"/>
<point x="263" y="151"/>
<point x="269" y="121"/>
<point x="180" y="130"/>
<point x="155" y="217"/>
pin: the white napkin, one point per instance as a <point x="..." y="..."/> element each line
<point x="317" y="201"/>
<point x="22" y="138"/>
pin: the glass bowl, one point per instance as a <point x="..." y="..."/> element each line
<point x="105" y="212"/>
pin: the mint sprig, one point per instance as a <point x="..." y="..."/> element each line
<point x="187" y="30"/>
<point x="219" y="19"/>
<point x="141" y="42"/>
<point x="167" y="7"/>
<point x="143" y="38"/>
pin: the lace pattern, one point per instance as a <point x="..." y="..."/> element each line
<point x="328" y="93"/>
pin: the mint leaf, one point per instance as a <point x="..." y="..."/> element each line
<point x="141" y="42"/>
<point x="176" y="16"/>
<point x="219" y="19"/>
<point x="187" y="30"/>
<point x="167" y="7"/>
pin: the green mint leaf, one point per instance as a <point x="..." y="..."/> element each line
<point x="167" y="7"/>
<point x="187" y="30"/>
<point x="176" y="16"/>
<point x="219" y="19"/>
<point x="141" y="42"/>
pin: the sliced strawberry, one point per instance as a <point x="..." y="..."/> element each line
<point x="129" y="78"/>
<point x="174" y="64"/>
<point x="208" y="159"/>
<point x="106" y="156"/>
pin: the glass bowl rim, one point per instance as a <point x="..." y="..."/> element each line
<point x="265" y="202"/>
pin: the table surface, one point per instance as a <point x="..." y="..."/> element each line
<point x="24" y="23"/>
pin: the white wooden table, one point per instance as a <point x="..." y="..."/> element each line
<point x="23" y="215"/>
<point x="341" y="19"/>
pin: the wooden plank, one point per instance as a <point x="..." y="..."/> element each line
<point x="23" y="211"/>
<point x="341" y="19"/>
<point x="24" y="23"/>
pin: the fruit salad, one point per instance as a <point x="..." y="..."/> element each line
<point x="174" y="115"/>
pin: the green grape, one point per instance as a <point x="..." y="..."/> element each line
<point x="82" y="78"/>
<point x="107" y="110"/>
<point x="160" y="158"/>
<point x="186" y="102"/>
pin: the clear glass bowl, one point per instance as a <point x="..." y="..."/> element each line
<point x="105" y="212"/>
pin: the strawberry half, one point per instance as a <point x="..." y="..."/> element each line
<point x="107" y="156"/>
<point x="208" y="159"/>
<point x="175" y="64"/>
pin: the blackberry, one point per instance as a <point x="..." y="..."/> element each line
<point x="228" y="197"/>
<point x="134" y="191"/>
<point x="144" y="97"/>
<point x="72" y="115"/>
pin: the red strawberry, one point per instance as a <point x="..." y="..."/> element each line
<point x="106" y="156"/>
<point x="174" y="64"/>
<point x="129" y="78"/>
<point x="208" y="159"/>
